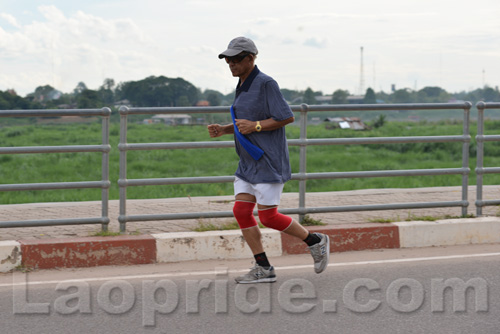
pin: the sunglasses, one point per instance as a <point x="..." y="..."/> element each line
<point x="236" y="59"/>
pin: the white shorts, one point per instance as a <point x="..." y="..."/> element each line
<point x="265" y="193"/>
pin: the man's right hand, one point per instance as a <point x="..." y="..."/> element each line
<point x="215" y="130"/>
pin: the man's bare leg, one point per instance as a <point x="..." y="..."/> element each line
<point x="253" y="238"/>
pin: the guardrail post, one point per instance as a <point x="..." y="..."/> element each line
<point x="303" y="159"/>
<point x="105" y="168"/>
<point x="465" y="158"/>
<point x="480" y="158"/>
<point x="122" y="182"/>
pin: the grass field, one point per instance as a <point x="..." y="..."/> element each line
<point x="40" y="168"/>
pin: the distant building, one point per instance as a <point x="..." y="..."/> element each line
<point x="323" y="99"/>
<point x="315" y="120"/>
<point x="203" y="103"/>
<point x="355" y="99"/>
<point x="172" y="119"/>
<point x="125" y="103"/>
<point x="354" y="123"/>
<point x="67" y="106"/>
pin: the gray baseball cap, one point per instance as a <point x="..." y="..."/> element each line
<point x="239" y="45"/>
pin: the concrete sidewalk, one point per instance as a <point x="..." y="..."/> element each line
<point x="163" y="241"/>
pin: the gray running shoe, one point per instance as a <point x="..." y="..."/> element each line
<point x="257" y="274"/>
<point x="321" y="253"/>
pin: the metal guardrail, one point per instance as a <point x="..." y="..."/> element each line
<point x="481" y="138"/>
<point x="302" y="176"/>
<point x="103" y="184"/>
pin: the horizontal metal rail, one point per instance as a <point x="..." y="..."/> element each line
<point x="55" y="185"/>
<point x="175" y="146"/>
<point x="488" y="138"/>
<point x="302" y="176"/>
<point x="488" y="170"/>
<point x="480" y="170"/>
<point x="379" y="140"/>
<point x="104" y="149"/>
<point x="175" y="180"/>
<point x="55" y="149"/>
<point x="106" y="112"/>
<point x="299" y="108"/>
<point x="55" y="222"/>
<point x="172" y="110"/>
<point x="375" y="207"/>
<point x="297" y="142"/>
<point x="381" y="173"/>
<point x="299" y="211"/>
<point x="297" y="176"/>
<point x="483" y="203"/>
<point x="383" y="107"/>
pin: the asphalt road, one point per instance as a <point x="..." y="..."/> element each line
<point x="428" y="290"/>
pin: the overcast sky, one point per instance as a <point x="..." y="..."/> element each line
<point x="412" y="44"/>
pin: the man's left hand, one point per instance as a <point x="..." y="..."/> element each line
<point x="245" y="126"/>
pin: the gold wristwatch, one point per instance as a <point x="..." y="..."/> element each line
<point x="258" y="127"/>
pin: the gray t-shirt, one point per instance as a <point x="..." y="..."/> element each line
<point x="259" y="98"/>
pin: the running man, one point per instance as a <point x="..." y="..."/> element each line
<point x="260" y="114"/>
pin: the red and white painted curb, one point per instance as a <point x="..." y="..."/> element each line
<point x="186" y="246"/>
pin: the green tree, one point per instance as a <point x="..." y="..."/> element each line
<point x="158" y="92"/>
<point x="79" y="88"/>
<point x="309" y="96"/>
<point x="402" y="96"/>
<point x="42" y="92"/>
<point x="382" y="96"/>
<point x="183" y="101"/>
<point x="370" y="97"/>
<point x="108" y="84"/>
<point x="214" y="99"/>
<point x="432" y="95"/>
<point x="89" y="99"/>
<point x="490" y="95"/>
<point x="106" y="91"/>
<point x="340" y="96"/>
<point x="292" y="96"/>
<point x="4" y="104"/>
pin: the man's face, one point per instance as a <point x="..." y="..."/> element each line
<point x="241" y="64"/>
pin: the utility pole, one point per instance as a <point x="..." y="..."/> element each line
<point x="361" y="76"/>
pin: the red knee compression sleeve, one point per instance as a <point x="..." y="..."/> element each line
<point x="273" y="219"/>
<point x="243" y="212"/>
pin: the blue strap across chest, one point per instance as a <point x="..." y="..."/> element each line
<point x="255" y="151"/>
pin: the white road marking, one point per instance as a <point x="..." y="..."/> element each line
<point x="414" y="259"/>
<point x="213" y="272"/>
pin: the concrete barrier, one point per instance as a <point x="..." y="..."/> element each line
<point x="10" y="255"/>
<point x="449" y="232"/>
<point x="352" y="237"/>
<point x="185" y="246"/>
<point x="88" y="252"/>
